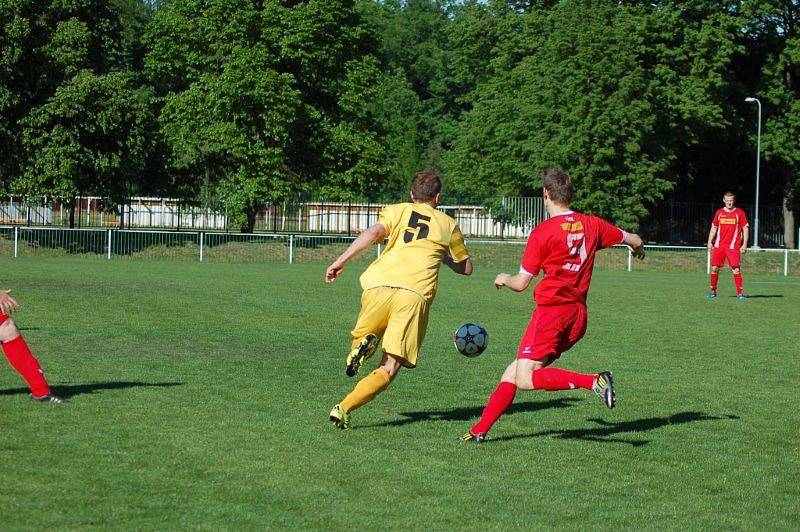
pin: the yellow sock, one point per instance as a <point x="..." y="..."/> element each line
<point x="366" y="390"/>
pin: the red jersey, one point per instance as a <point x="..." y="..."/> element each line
<point x="729" y="226"/>
<point x="564" y="247"/>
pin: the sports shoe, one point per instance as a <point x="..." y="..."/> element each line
<point x="469" y="437"/>
<point x="604" y="387"/>
<point x="360" y="353"/>
<point x="712" y="294"/>
<point x="339" y="417"/>
<point x="741" y="297"/>
<point x="50" y="398"/>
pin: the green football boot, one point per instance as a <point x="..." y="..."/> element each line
<point x="360" y="353"/>
<point x="339" y="417"/>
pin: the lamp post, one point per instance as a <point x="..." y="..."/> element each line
<point x="758" y="167"/>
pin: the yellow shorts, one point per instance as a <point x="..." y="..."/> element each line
<point x="397" y="315"/>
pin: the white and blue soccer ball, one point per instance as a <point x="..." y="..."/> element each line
<point x="471" y="339"/>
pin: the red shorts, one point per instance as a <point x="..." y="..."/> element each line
<point x="553" y="330"/>
<point x="718" y="256"/>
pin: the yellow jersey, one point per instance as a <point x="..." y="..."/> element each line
<point x="418" y="238"/>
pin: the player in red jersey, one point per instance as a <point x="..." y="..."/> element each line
<point x="563" y="247"/>
<point x="19" y="356"/>
<point x="727" y="239"/>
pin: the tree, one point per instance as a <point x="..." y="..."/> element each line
<point x="265" y="100"/>
<point x="23" y="31"/>
<point x="232" y="131"/>
<point x="772" y="36"/>
<point x="619" y="122"/>
<point x="91" y="137"/>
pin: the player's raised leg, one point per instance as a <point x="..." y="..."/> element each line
<point x="525" y="374"/>
<point x="366" y="390"/>
<point x="362" y="350"/>
<point x="22" y="360"/>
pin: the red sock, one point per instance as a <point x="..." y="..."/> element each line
<point x="713" y="281"/>
<point x="552" y="379"/>
<point x="22" y="360"/>
<point x="737" y="280"/>
<point x="498" y="403"/>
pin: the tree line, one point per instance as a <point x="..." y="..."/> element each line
<point x="255" y="101"/>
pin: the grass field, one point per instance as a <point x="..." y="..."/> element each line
<point x="200" y="395"/>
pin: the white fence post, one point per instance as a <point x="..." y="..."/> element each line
<point x="291" y="249"/>
<point x="16" y="241"/>
<point x="109" y="244"/>
<point x="786" y="262"/>
<point x="379" y="250"/>
<point x="630" y="259"/>
<point x="201" y="246"/>
<point x="708" y="262"/>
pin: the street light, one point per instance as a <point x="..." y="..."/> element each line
<point x="758" y="166"/>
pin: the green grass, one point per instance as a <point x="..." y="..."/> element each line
<point x="201" y="392"/>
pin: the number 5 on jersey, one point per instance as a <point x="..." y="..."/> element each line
<point x="420" y="223"/>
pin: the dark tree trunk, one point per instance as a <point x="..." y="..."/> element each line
<point x="789" y="226"/>
<point x="250" y="219"/>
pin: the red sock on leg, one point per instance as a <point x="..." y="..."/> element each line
<point x="713" y="279"/>
<point x="552" y="379"/>
<point x="22" y="360"/>
<point x="499" y="401"/>
<point x="737" y="280"/>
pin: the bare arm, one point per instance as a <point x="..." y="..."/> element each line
<point x="635" y="242"/>
<point x="517" y="283"/>
<point x="464" y="267"/>
<point x="367" y="237"/>
<point x="745" y="238"/>
<point x="711" y="234"/>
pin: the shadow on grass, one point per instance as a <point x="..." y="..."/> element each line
<point x="761" y="296"/>
<point x="606" y="430"/>
<point x="71" y="390"/>
<point x="472" y="413"/>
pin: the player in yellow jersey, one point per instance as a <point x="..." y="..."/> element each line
<point x="399" y="287"/>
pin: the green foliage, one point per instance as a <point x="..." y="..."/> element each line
<point x="68" y="155"/>
<point x="615" y="121"/>
<point x="257" y="100"/>
<point x="55" y="59"/>
<point x="261" y="101"/>
<point x="773" y="31"/>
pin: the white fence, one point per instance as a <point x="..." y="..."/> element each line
<point x="290" y="248"/>
<point x="519" y="213"/>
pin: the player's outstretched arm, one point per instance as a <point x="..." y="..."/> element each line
<point x="7" y="303"/>
<point x="517" y="283"/>
<point x="365" y="239"/>
<point x="635" y="242"/>
<point x="464" y="267"/>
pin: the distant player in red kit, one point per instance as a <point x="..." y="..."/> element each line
<point x="20" y="357"/>
<point x="727" y="239"/>
<point x="563" y="247"/>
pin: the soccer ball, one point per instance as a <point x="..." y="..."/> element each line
<point x="471" y="339"/>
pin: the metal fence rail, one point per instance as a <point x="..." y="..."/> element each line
<point x="305" y="248"/>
